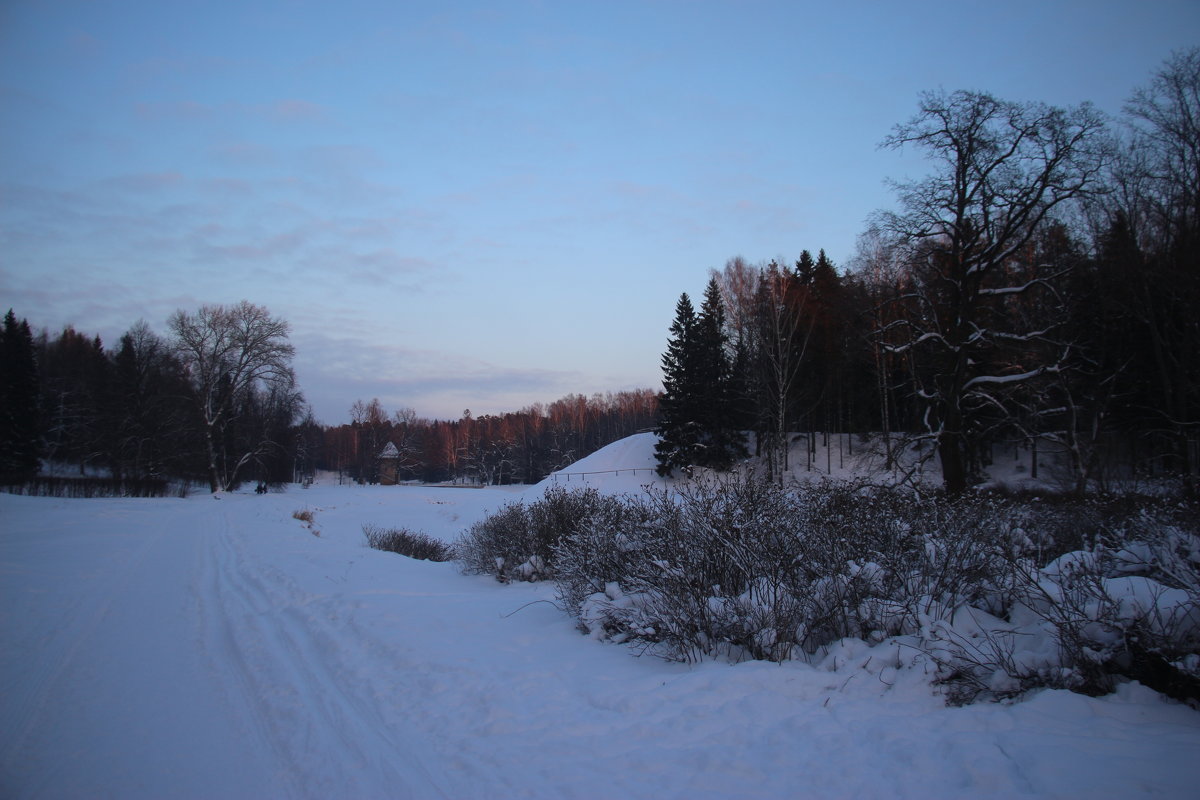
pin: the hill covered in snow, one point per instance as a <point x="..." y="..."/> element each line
<point x="628" y="465"/>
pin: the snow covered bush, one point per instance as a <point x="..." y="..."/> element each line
<point x="495" y="540"/>
<point x="740" y="568"/>
<point x="607" y="543"/>
<point x="1001" y="593"/>
<point x="413" y="544"/>
<point x="699" y="570"/>
<point x="1115" y="606"/>
<point x="892" y="563"/>
<point x="519" y="541"/>
<point x="722" y="577"/>
<point x="1127" y="605"/>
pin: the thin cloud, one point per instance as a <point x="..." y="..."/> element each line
<point x="436" y="383"/>
<point x="243" y="154"/>
<point x="290" y="111"/>
<point x="178" y="110"/>
<point x="295" y="111"/>
<point x="336" y="158"/>
<point x="85" y="45"/>
<point x="138" y="183"/>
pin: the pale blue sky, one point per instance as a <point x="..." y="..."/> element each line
<point x="483" y="205"/>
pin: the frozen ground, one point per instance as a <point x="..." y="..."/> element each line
<point x="216" y="647"/>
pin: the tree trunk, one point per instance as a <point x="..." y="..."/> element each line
<point x="214" y="475"/>
<point x="954" y="463"/>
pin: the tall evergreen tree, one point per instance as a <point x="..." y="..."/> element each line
<point x="74" y="372"/>
<point x="20" y="439"/>
<point x="720" y="442"/>
<point x="697" y="421"/>
<point x="148" y="418"/>
<point x="678" y="425"/>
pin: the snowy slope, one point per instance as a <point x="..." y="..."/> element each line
<point x="625" y="466"/>
<point x="218" y="648"/>
<point x="628" y="465"/>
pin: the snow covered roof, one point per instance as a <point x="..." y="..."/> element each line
<point x="389" y="451"/>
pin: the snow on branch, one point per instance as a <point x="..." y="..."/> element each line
<point x="1001" y="379"/>
<point x="1011" y="290"/>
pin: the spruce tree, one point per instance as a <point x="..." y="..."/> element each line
<point x="20" y="440"/>
<point x="720" y="442"/>
<point x="697" y="422"/>
<point x="678" y="425"/>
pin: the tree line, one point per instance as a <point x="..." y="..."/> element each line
<point x="515" y="447"/>
<point x="216" y="402"/>
<point x="1039" y="286"/>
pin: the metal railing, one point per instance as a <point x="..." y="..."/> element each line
<point x="631" y="470"/>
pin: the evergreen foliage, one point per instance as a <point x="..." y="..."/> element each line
<point x="679" y="416"/>
<point x="148" y="427"/>
<point x="20" y="444"/>
<point x="720" y="441"/>
<point x="74" y="373"/>
<point x="698" y="416"/>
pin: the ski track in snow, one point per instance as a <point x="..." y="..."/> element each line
<point x="216" y="648"/>
<point x="327" y="741"/>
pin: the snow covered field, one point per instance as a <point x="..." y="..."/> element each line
<point x="216" y="647"/>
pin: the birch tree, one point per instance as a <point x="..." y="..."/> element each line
<point x="783" y="331"/>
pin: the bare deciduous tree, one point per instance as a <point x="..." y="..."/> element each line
<point x="227" y="352"/>
<point x="1160" y="183"/>
<point x="1002" y="169"/>
<point x="783" y="334"/>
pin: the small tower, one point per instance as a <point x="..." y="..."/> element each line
<point x="389" y="465"/>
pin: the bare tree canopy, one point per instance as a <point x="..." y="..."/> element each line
<point x="1157" y="213"/>
<point x="1001" y="171"/>
<point x="1166" y="120"/>
<point x="228" y="352"/>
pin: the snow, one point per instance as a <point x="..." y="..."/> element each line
<point x="625" y="466"/>
<point x="220" y="647"/>
<point x="628" y="465"/>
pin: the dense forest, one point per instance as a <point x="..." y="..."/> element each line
<point x="1039" y="287"/>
